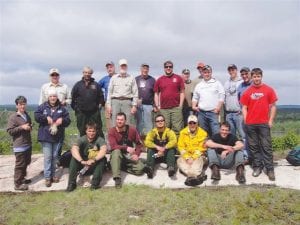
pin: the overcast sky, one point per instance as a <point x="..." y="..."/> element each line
<point x="38" y="35"/>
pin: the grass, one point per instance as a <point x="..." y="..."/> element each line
<point x="144" y="205"/>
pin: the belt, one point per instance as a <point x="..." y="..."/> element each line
<point x="122" y="98"/>
<point x="232" y="111"/>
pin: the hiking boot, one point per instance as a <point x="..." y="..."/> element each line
<point x="271" y="175"/>
<point x="240" y="176"/>
<point x="21" y="187"/>
<point x="171" y="171"/>
<point x="71" y="187"/>
<point x="48" y="182"/>
<point x="26" y="181"/>
<point x="215" y="175"/>
<point x="149" y="171"/>
<point x="256" y="171"/>
<point x="188" y="181"/>
<point x="55" y="179"/>
<point x="118" y="183"/>
<point x="203" y="176"/>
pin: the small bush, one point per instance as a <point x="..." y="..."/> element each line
<point x="288" y="141"/>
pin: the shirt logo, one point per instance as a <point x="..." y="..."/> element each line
<point x="93" y="86"/>
<point x="256" y="96"/>
<point x="174" y="80"/>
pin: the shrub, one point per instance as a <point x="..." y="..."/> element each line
<point x="288" y="141"/>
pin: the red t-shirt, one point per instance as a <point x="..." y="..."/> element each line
<point x="258" y="101"/>
<point x="169" y="88"/>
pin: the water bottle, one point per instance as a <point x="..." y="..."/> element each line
<point x="83" y="170"/>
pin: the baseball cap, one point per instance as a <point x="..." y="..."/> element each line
<point x="109" y="63"/>
<point x="122" y="62"/>
<point x="207" y="67"/>
<point x="231" y="66"/>
<point x="200" y="65"/>
<point x="185" y="71"/>
<point x="145" y="64"/>
<point x="53" y="70"/>
<point x="192" y="118"/>
<point x="245" y="69"/>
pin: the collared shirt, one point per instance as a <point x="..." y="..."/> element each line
<point x="146" y="89"/>
<point x="104" y="83"/>
<point x="63" y="92"/>
<point x="231" y="94"/>
<point x="122" y="86"/>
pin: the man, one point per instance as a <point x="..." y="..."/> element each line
<point x="169" y="97"/>
<point x="145" y="85"/>
<point x="19" y="126"/>
<point x="187" y="103"/>
<point x="196" y="80"/>
<point x="104" y="83"/>
<point x="122" y="93"/>
<point x="126" y="147"/>
<point x="191" y="145"/>
<point x="225" y="152"/>
<point x="233" y="111"/>
<point x="208" y="98"/>
<point x="89" y="152"/>
<point x="64" y="94"/>
<point x="86" y="98"/>
<point x="161" y="142"/>
<point x="259" y="110"/>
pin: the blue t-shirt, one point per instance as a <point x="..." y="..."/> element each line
<point x="104" y="83"/>
<point x="242" y="88"/>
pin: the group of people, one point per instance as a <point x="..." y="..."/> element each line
<point x="176" y="119"/>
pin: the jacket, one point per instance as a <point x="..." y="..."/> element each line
<point x="168" y="138"/>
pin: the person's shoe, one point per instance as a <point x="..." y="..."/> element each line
<point x="271" y="175"/>
<point x="256" y="171"/>
<point x="203" y="176"/>
<point x="26" y="181"/>
<point x="149" y="171"/>
<point x="94" y="187"/>
<point x="171" y="171"/>
<point x="48" y="182"/>
<point x="21" y="187"/>
<point x="71" y="187"/>
<point x="215" y="175"/>
<point x="118" y="183"/>
<point x="197" y="181"/>
<point x="240" y="176"/>
<point x="188" y="181"/>
<point x="55" y="179"/>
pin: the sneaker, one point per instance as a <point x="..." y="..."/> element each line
<point x="21" y="187"/>
<point x="48" y="182"/>
<point x="240" y="176"/>
<point x="118" y="183"/>
<point x="215" y="175"/>
<point x="71" y="187"/>
<point x="256" y="171"/>
<point x="271" y="175"/>
<point x="171" y="171"/>
<point x="149" y="171"/>
<point x="26" y="181"/>
<point x="55" y="179"/>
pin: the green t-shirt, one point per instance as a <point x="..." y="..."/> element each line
<point x="85" y="146"/>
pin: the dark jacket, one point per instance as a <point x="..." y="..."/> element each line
<point x="86" y="98"/>
<point x="40" y="116"/>
<point x="20" y="137"/>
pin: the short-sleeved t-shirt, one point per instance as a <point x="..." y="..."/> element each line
<point x="229" y="140"/>
<point x="84" y="145"/>
<point x="258" y="101"/>
<point x="145" y="88"/>
<point x="169" y="88"/>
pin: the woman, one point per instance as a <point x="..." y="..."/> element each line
<point x="52" y="118"/>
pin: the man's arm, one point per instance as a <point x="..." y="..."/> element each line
<point x="182" y="96"/>
<point x="245" y="112"/>
<point x="238" y="146"/>
<point x="76" y="154"/>
<point x="156" y="100"/>
<point x="273" y="110"/>
<point x="101" y="154"/>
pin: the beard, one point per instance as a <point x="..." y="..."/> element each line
<point x="123" y="71"/>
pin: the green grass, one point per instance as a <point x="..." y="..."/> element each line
<point x="144" y="205"/>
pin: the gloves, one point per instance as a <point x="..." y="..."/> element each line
<point x="53" y="129"/>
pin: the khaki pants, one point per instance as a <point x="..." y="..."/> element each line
<point x="173" y="118"/>
<point x="192" y="170"/>
<point x="122" y="106"/>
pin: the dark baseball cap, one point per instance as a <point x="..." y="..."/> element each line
<point x="207" y="67"/>
<point x="185" y="71"/>
<point x="110" y="63"/>
<point x="245" y="69"/>
<point x="145" y="64"/>
<point x="231" y="66"/>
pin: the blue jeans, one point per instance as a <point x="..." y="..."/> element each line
<point x="235" y="120"/>
<point x="209" y="122"/>
<point x="144" y="119"/>
<point x="233" y="159"/>
<point x="50" y="151"/>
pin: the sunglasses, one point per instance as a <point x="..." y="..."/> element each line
<point x="159" y="121"/>
<point x="192" y="123"/>
<point x="54" y="75"/>
<point x="168" y="67"/>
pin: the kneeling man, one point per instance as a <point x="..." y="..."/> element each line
<point x="225" y="151"/>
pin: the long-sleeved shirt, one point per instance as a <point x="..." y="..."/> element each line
<point x="63" y="92"/>
<point x="231" y="95"/>
<point x="122" y="86"/>
<point x="167" y="138"/>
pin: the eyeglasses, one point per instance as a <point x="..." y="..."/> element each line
<point x="159" y="121"/>
<point x="168" y="67"/>
<point x="192" y="123"/>
<point x="54" y="75"/>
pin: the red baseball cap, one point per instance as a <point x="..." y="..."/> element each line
<point x="200" y="65"/>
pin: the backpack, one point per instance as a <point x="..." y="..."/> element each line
<point x="293" y="156"/>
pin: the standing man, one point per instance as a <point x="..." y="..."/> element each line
<point x="144" y="115"/>
<point x="207" y="100"/>
<point x="104" y="83"/>
<point x="126" y="147"/>
<point x="122" y="94"/>
<point x="63" y="92"/>
<point x="169" y="97"/>
<point x="196" y="80"/>
<point x="187" y="104"/>
<point x="86" y="98"/>
<point x="233" y="110"/>
<point x="259" y="110"/>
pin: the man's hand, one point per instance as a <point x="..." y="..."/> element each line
<point x="195" y="108"/>
<point x="130" y="150"/>
<point x="135" y="157"/>
<point x="224" y="154"/>
<point x="88" y="162"/>
<point x="156" y="109"/>
<point x="228" y="148"/>
<point x="108" y="110"/>
<point x="189" y="161"/>
<point x="270" y="123"/>
<point x="49" y="119"/>
<point x="216" y="110"/>
<point x="58" y="121"/>
<point x="26" y="126"/>
<point x="160" y="149"/>
<point x="133" y="109"/>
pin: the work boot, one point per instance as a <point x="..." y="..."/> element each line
<point x="118" y="182"/>
<point x="171" y="171"/>
<point x="21" y="187"/>
<point x="271" y="175"/>
<point x="48" y="182"/>
<point x="240" y="176"/>
<point x="149" y="171"/>
<point x="188" y="181"/>
<point x="256" y="171"/>
<point x="71" y="187"/>
<point x="215" y="175"/>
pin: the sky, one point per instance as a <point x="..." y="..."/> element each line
<point x="36" y="36"/>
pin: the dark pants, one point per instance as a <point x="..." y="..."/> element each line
<point x="85" y="117"/>
<point x="260" y="145"/>
<point x="168" y="158"/>
<point x="96" y="169"/>
<point x="186" y="111"/>
<point x="23" y="159"/>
